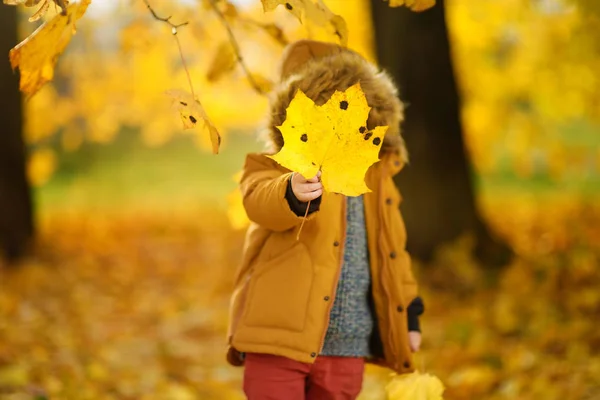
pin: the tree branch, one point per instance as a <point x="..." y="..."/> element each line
<point x="166" y="20"/>
<point x="174" y="27"/>
<point x="236" y="48"/>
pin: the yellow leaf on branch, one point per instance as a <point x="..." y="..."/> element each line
<point x="293" y="6"/>
<point x="314" y="11"/>
<point x="264" y="84"/>
<point x="331" y="138"/>
<point x="276" y="33"/>
<point x="192" y="114"/>
<point x="44" y="6"/>
<point x="415" y="386"/>
<point x="36" y="55"/>
<point x="415" y="5"/>
<point x="223" y="62"/>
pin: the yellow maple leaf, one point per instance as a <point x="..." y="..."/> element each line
<point x="36" y="55"/>
<point x="415" y="5"/>
<point x="192" y="113"/>
<point x="315" y="11"/>
<point x="45" y="5"/>
<point x="415" y="386"/>
<point x="331" y="138"/>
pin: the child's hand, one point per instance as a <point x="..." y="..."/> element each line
<point x="414" y="339"/>
<point x="306" y="189"/>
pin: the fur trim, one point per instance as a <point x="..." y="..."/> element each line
<point x="320" y="77"/>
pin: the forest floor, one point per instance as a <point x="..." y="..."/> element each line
<point x="132" y="304"/>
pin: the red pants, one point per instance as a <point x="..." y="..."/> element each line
<point x="268" y="377"/>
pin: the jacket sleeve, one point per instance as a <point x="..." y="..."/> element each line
<point x="264" y="186"/>
<point x="415" y="309"/>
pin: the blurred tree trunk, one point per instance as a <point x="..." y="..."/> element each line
<point x="16" y="219"/>
<point x="439" y="197"/>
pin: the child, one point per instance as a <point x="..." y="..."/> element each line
<point x="307" y="313"/>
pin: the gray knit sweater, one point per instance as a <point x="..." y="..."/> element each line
<point x="351" y="318"/>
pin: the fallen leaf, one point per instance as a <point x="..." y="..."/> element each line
<point x="415" y="5"/>
<point x="176" y="391"/>
<point x="192" y="113"/>
<point x="36" y="55"/>
<point x="415" y="386"/>
<point x="314" y="11"/>
<point x="331" y="138"/>
<point x="224" y="61"/>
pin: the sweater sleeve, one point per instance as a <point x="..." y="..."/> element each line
<point x="297" y="206"/>
<point x="415" y="309"/>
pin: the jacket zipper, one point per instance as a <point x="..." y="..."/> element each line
<point x="337" y="277"/>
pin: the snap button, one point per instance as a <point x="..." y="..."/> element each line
<point x="393" y="255"/>
<point x="336" y="243"/>
<point x="326" y="298"/>
<point x="388" y="201"/>
<point x="400" y="308"/>
<point x="313" y="355"/>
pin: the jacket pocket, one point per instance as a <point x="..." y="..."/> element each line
<point x="279" y="291"/>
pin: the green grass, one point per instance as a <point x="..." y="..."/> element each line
<point x="542" y="186"/>
<point x="127" y="174"/>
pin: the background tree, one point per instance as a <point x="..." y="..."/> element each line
<point x="16" y="216"/>
<point x="440" y="202"/>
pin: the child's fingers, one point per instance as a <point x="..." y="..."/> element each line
<point x="316" y="178"/>
<point x="310" y="187"/>
<point x="414" y="338"/>
<point x="304" y="197"/>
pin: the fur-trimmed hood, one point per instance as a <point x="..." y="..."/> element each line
<point x="319" y="69"/>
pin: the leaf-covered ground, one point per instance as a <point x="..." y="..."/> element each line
<point x="126" y="306"/>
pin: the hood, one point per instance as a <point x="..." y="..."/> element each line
<point x="319" y="69"/>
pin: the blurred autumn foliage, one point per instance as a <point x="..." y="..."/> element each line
<point x="529" y="92"/>
<point x="125" y="296"/>
<point x="135" y="306"/>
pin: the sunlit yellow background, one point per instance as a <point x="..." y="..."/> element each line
<point x="140" y="224"/>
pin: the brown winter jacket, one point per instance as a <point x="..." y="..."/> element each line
<point x="284" y="288"/>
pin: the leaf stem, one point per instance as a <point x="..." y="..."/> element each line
<point x="187" y="71"/>
<point x="236" y="47"/>
<point x="174" y="28"/>
<point x="303" y="220"/>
